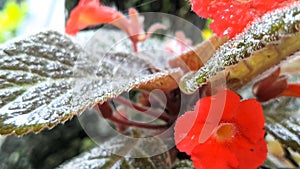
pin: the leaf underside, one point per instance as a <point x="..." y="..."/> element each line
<point x="266" y="43"/>
<point x="118" y="152"/>
<point x="46" y="79"/>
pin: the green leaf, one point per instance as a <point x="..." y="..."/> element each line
<point x="283" y="121"/>
<point x="265" y="44"/>
<point x="118" y="153"/>
<point x="46" y="79"/>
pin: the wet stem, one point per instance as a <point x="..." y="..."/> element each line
<point x="139" y="125"/>
<point x="135" y="47"/>
<point x="164" y="116"/>
<point x="106" y="111"/>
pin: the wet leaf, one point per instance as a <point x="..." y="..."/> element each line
<point x="265" y="44"/>
<point x="118" y="153"/>
<point x="283" y="121"/>
<point x="35" y="82"/>
<point x="46" y="150"/>
<point x="46" y="79"/>
<point x="112" y="41"/>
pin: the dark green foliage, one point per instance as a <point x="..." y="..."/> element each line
<point x="46" y="150"/>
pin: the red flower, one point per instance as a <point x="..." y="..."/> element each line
<point x="225" y="134"/>
<point x="232" y="16"/>
<point x="90" y="12"/>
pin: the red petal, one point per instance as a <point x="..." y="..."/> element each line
<point x="89" y="13"/>
<point x="209" y="112"/>
<point x="213" y="155"/>
<point x="250" y="120"/>
<point x="231" y="17"/>
<point x="202" y="107"/>
<point x="230" y="102"/>
<point x="187" y="132"/>
<point x="221" y="109"/>
<point x="224" y="103"/>
<point x="292" y="90"/>
<point x="249" y="155"/>
<point x="189" y="126"/>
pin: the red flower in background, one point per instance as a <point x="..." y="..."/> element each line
<point x="236" y="142"/>
<point x="90" y="12"/>
<point x="232" y="16"/>
<point x="179" y="44"/>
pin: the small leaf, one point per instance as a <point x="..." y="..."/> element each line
<point x="46" y="79"/>
<point x="118" y="153"/>
<point x="283" y="121"/>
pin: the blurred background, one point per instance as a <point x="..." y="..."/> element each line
<point x="48" y="149"/>
<point x="180" y="8"/>
<point x="24" y="17"/>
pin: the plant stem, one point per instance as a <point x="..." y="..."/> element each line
<point x="149" y="112"/>
<point x="135" y="47"/>
<point x="141" y="125"/>
<point x="105" y="110"/>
